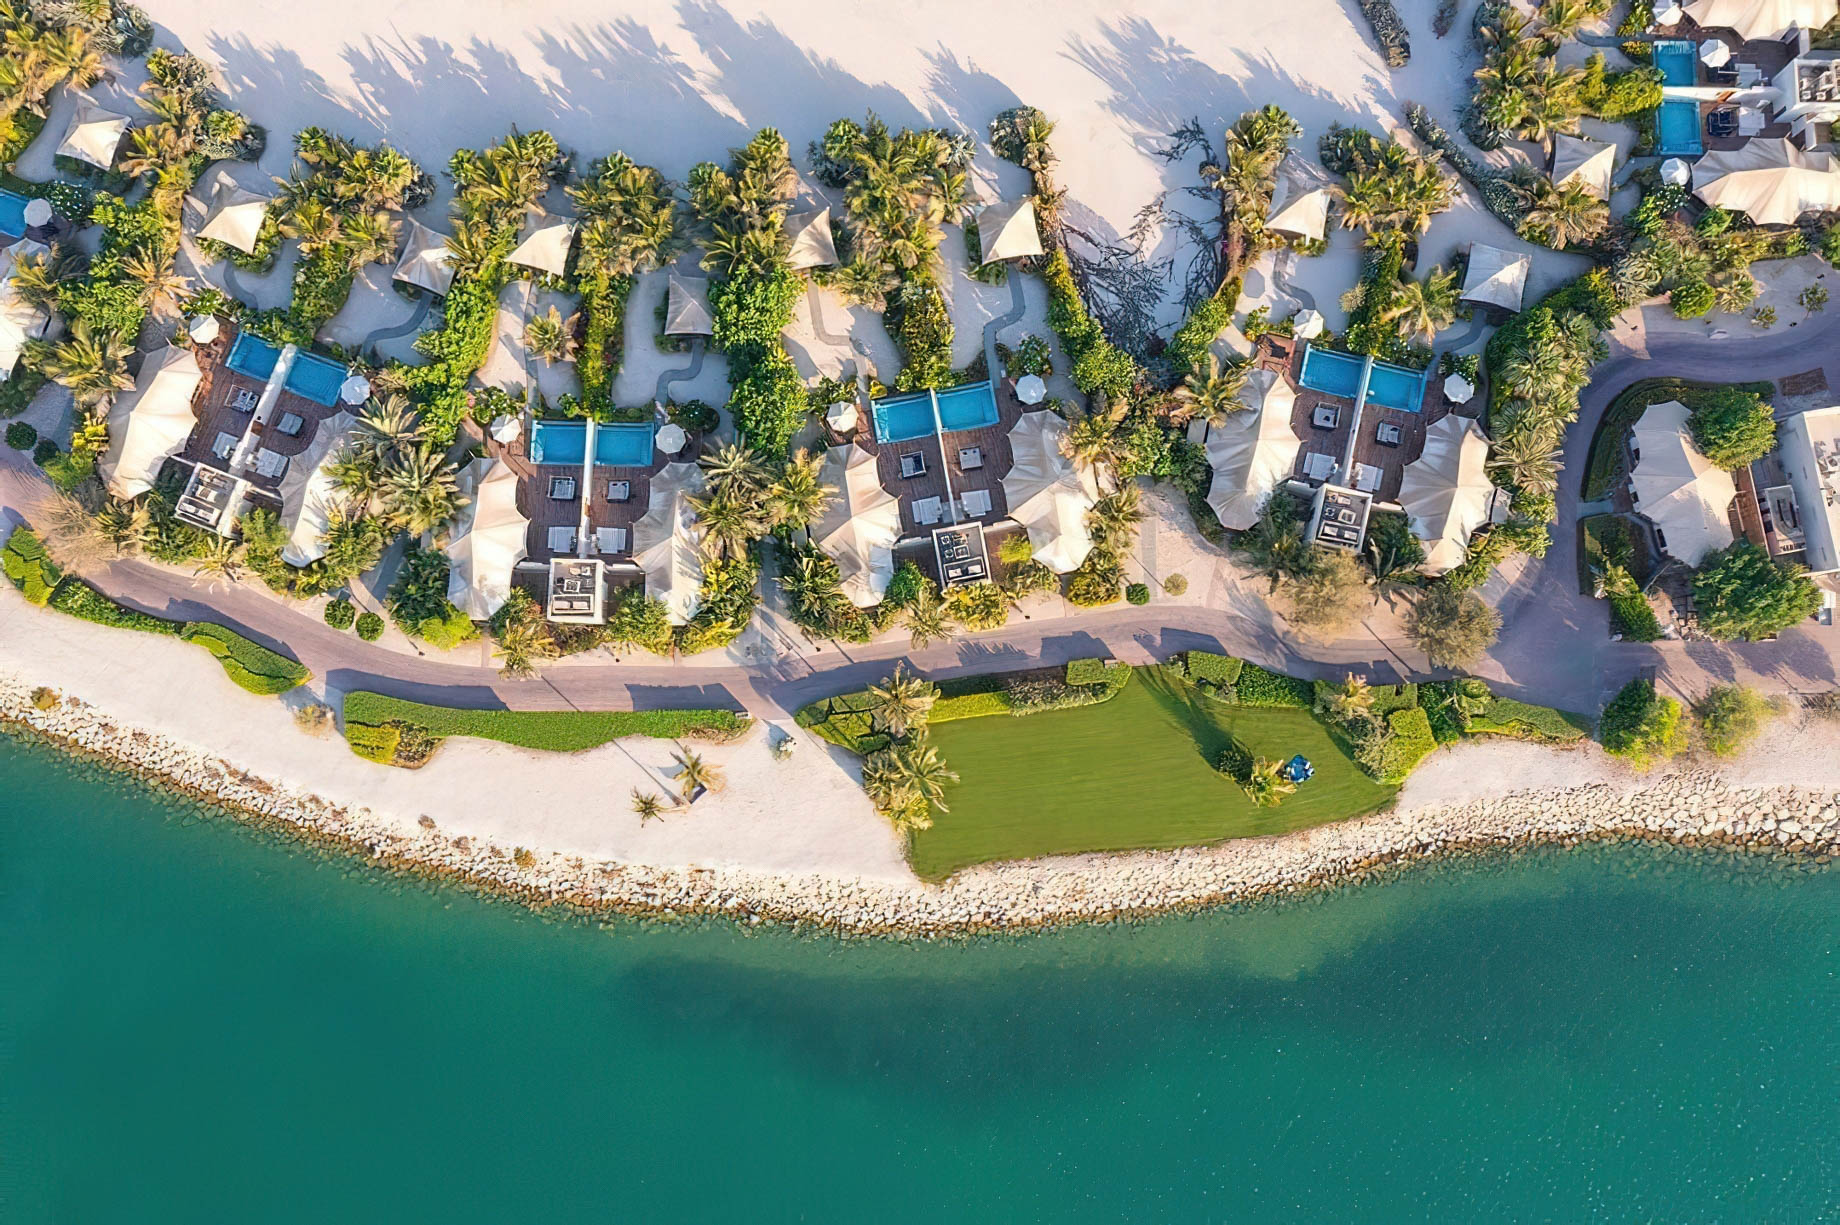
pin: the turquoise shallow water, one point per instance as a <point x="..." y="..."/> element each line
<point x="200" y="1023"/>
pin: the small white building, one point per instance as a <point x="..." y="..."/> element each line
<point x="1496" y="277"/>
<point x="1808" y="451"/>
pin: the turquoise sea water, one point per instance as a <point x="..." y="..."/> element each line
<point x="201" y="1023"/>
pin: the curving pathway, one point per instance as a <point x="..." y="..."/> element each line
<point x="684" y="374"/>
<point x="412" y="324"/>
<point x="1018" y="307"/>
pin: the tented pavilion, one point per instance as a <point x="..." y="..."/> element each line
<point x="1446" y="491"/>
<point x="667" y="542"/>
<point x="20" y="320"/>
<point x="1762" y="19"/>
<point x="813" y="245"/>
<point x="1495" y="277"/>
<point x="309" y="495"/>
<point x="94" y="135"/>
<point x="546" y="248"/>
<point x="1048" y="494"/>
<point x="1252" y="451"/>
<point x="1299" y="209"/>
<point x="1770" y="181"/>
<point x="426" y="262"/>
<point x="234" y="215"/>
<point x="861" y="525"/>
<point x="1590" y="162"/>
<point x="150" y="421"/>
<point x="488" y="541"/>
<point x="1007" y="231"/>
<point x="1685" y="495"/>
<point x="686" y="309"/>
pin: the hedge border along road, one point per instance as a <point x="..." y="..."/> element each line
<point x="1603" y="465"/>
<point x="374" y="724"/>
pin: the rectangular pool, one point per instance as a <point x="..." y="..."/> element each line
<point x="1677" y="130"/>
<point x="12" y="214"/>
<point x="1339" y="374"/>
<point x="314" y="377"/>
<point x="253" y="356"/>
<point x="627" y="444"/>
<point x="971" y="406"/>
<point x="1678" y="60"/>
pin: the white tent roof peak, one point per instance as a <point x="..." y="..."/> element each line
<point x="1007" y="230"/>
<point x="20" y="320"/>
<point x="1446" y="491"/>
<point x="1496" y="277"/>
<point x="1590" y="162"/>
<point x="1252" y="451"/>
<point x="94" y="135"/>
<point x="488" y="541"/>
<point x="234" y="215"/>
<point x="813" y="245"/>
<point x="667" y="543"/>
<point x="150" y="421"/>
<point x="546" y="247"/>
<point x="309" y="498"/>
<point x="861" y="525"/>
<point x="1299" y="208"/>
<point x="686" y="311"/>
<point x="1762" y="19"/>
<point x="1048" y="494"/>
<point x="425" y="262"/>
<point x="1770" y="181"/>
<point x="1682" y="492"/>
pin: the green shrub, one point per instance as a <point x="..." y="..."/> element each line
<point x="1742" y="592"/>
<point x="249" y="664"/>
<point x="1208" y="668"/>
<point x="1692" y="299"/>
<point x="1733" y="426"/>
<point x="1640" y="726"/>
<point x="1730" y="717"/>
<point x="555" y="731"/>
<point x="1258" y="686"/>
<point x="1091" y="586"/>
<point x="370" y="626"/>
<point x="1107" y="674"/>
<point x="1525" y="721"/>
<point x="1188" y="349"/>
<point x="1408" y="741"/>
<point x="1136" y="593"/>
<point x="448" y="631"/>
<point x="921" y="328"/>
<point x="27" y="565"/>
<point x="44" y="452"/>
<point x="1099" y="367"/>
<point x="21" y="435"/>
<point x="1175" y="584"/>
<point x="81" y="600"/>
<point x="378" y="744"/>
<point x="340" y="614"/>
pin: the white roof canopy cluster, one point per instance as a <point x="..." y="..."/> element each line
<point x="1252" y="451"/>
<point x="1770" y="181"/>
<point x="1446" y="491"/>
<point x="1048" y="494"/>
<point x="20" y="320"/>
<point x="1007" y="231"/>
<point x="546" y="248"/>
<point x="1496" y="277"/>
<point x="425" y="262"/>
<point x="309" y="498"/>
<point x="667" y="542"/>
<point x="94" y="135"/>
<point x="860" y="527"/>
<point x="1298" y="208"/>
<point x="1762" y="19"/>
<point x="234" y="215"/>
<point x="1587" y="161"/>
<point x="813" y="245"/>
<point x="488" y="540"/>
<point x="686" y="310"/>
<point x="150" y="422"/>
<point x="1681" y="491"/>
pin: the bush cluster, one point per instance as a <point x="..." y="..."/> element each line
<point x="1099" y="367"/>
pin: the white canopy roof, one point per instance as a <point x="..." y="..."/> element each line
<point x="686" y="311"/>
<point x="546" y="248"/>
<point x="667" y="543"/>
<point x="1297" y="208"/>
<point x="309" y="498"/>
<point x="1252" y="451"/>
<point x="1762" y="19"/>
<point x="1458" y="389"/>
<point x="93" y="135"/>
<point x="1307" y="323"/>
<point x="20" y="321"/>
<point x="488" y="540"/>
<point x="860" y="527"/>
<point x="1495" y="276"/>
<point x="151" y="421"/>
<point x="234" y="215"/>
<point x="1446" y="491"/>
<point x="841" y="416"/>
<point x="1047" y="493"/>
<point x="812" y="243"/>
<point x="1007" y="231"/>
<point x="1679" y="489"/>
<point x="425" y="261"/>
<point x="1588" y="161"/>
<point x="1771" y="181"/>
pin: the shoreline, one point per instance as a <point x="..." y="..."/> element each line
<point x="1691" y="808"/>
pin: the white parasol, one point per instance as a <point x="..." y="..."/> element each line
<point x="841" y="416"/>
<point x="1306" y="324"/>
<point x="1030" y="389"/>
<point x="671" y="438"/>
<point x="355" y="389"/>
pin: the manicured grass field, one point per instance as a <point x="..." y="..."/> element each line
<point x="1136" y="772"/>
<point x="557" y="731"/>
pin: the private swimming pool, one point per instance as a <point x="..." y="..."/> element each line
<point x="1676" y="58"/>
<point x="1339" y="374"/>
<point x="628" y="444"/>
<point x="1677" y="131"/>
<point x="972" y="406"/>
<point x="312" y="376"/>
<point x="12" y="213"/>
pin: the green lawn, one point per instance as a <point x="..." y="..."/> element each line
<point x="557" y="731"/>
<point x="1135" y="772"/>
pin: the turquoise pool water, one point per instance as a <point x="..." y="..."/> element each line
<point x="1678" y="61"/>
<point x="625" y="445"/>
<point x="312" y="376"/>
<point x="12" y="213"/>
<point x="1677" y="130"/>
<point x="1339" y="374"/>
<point x="971" y="406"/>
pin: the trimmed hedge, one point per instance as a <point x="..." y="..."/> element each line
<point x="1525" y="721"/>
<point x="1262" y="687"/>
<point x="249" y="664"/>
<point x="79" y="599"/>
<point x="1410" y="743"/>
<point x="377" y="744"/>
<point x="26" y="564"/>
<point x="555" y="731"/>
<point x="1221" y="671"/>
<point x="370" y="626"/>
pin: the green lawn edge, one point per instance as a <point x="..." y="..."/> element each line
<point x="371" y="718"/>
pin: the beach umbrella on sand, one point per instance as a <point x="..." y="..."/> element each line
<point x="671" y="438"/>
<point x="1030" y="389"/>
<point x="1676" y="171"/>
<point x="1306" y="324"/>
<point x="1458" y="389"/>
<point x="355" y="390"/>
<point x="1714" y="54"/>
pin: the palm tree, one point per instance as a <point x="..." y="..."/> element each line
<point x="914" y="768"/>
<point x="628" y="216"/>
<point x="126" y="524"/>
<point x="813" y="589"/>
<point x="1266" y="785"/>
<point x="419" y="489"/>
<point x="1527" y="461"/>
<point x="550" y="336"/>
<point x="729" y="525"/>
<point x="221" y="562"/>
<point x="1426" y="306"/>
<point x="38" y="279"/>
<point x="163" y="287"/>
<point x="799" y="497"/>
<point x="1089" y="438"/>
<point x="522" y="643"/>
<point x="92" y="363"/>
<point x="1113" y="519"/>
<point x="1560" y="216"/>
<point x="313" y="223"/>
<point x="735" y="471"/>
<point x="71" y="533"/>
<point x="927" y="619"/>
<point x="647" y="805"/>
<point x="900" y="704"/>
<point x="1215" y="395"/>
<point x="1352" y="699"/>
<point x="695" y="775"/>
<point x="371" y="238"/>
